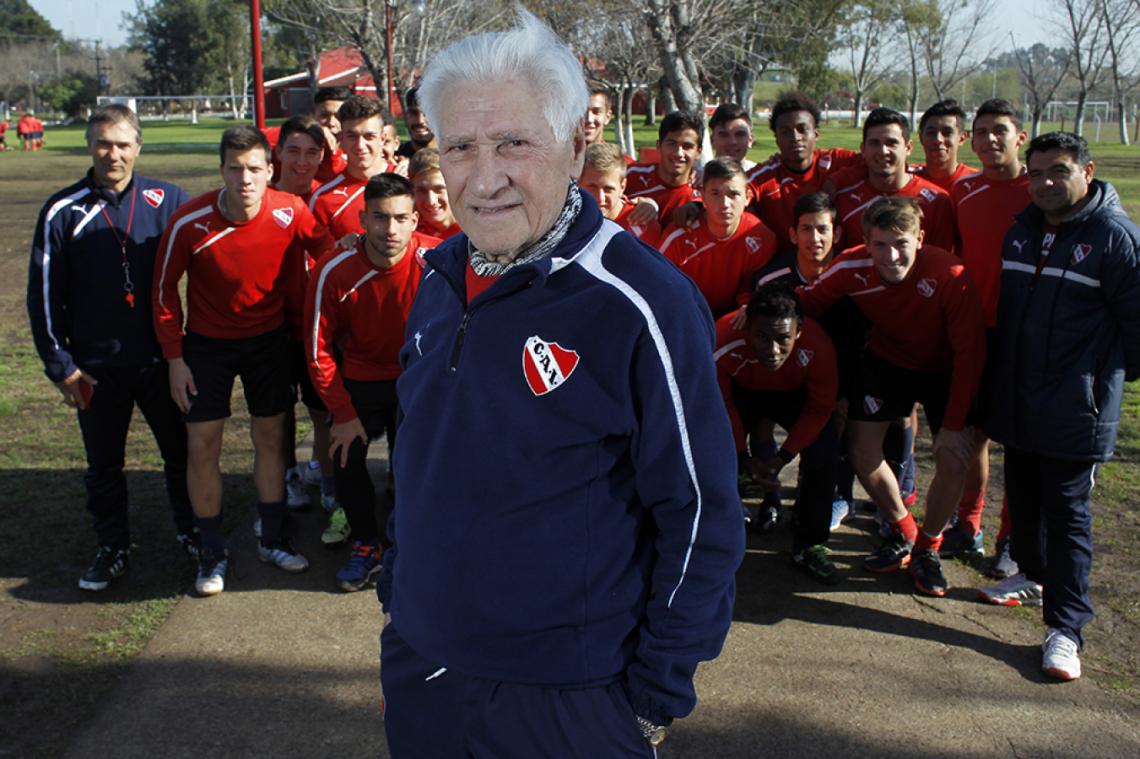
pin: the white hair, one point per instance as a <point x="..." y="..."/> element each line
<point x="529" y="51"/>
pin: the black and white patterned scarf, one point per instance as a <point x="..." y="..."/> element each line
<point x="544" y="247"/>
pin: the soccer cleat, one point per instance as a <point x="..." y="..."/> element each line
<point x="109" y="563"/>
<point x="190" y="543"/>
<point x="957" y="541"/>
<point x="767" y="519"/>
<point x="1061" y="658"/>
<point x="282" y="555"/>
<point x="211" y="574"/>
<point x="310" y="473"/>
<point x="893" y="554"/>
<point x="840" y="510"/>
<point x="815" y="561"/>
<point x="338" y="529"/>
<point x="1004" y="565"/>
<point x="926" y="572"/>
<point x="296" y="497"/>
<point x="362" y="567"/>
<point x="1015" y="590"/>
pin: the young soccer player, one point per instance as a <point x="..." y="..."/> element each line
<point x="365" y="133"/>
<point x="885" y="147"/>
<point x="780" y="367"/>
<point x="235" y="246"/>
<point x="356" y="311"/>
<point x="730" y="131"/>
<point x="420" y="135"/>
<point x="432" y="204"/>
<point x="942" y="132"/>
<point x="801" y="168"/>
<point x="927" y="345"/>
<point x="603" y="176"/>
<point x="598" y="114"/>
<point x="985" y="204"/>
<point x="669" y="181"/>
<point x="727" y="246"/>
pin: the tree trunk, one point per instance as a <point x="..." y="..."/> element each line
<point x="856" y="119"/>
<point x="651" y="106"/>
<point x="744" y="82"/>
<point x="619" y="123"/>
<point x="1079" y="116"/>
<point x="1122" y="118"/>
<point x="627" y="106"/>
<point x="1035" y="129"/>
<point x="669" y="103"/>
<point x="679" y="67"/>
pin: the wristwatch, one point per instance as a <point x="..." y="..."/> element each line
<point x="653" y="733"/>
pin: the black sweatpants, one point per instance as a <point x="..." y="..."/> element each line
<point x="104" y="425"/>
<point x="376" y="406"/>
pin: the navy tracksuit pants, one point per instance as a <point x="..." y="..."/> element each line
<point x="105" y="424"/>
<point x="434" y="713"/>
<point x="1051" y="540"/>
<point x="376" y="405"/>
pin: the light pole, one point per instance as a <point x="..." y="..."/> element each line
<point x="389" y="10"/>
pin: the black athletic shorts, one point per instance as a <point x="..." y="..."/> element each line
<point x="882" y="391"/>
<point x="262" y="362"/>
<point x="299" y="380"/>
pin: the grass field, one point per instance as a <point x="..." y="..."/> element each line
<point x="60" y="650"/>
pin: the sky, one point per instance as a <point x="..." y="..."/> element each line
<point x="75" y="19"/>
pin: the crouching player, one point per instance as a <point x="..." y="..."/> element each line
<point x="356" y="309"/>
<point x="927" y="345"/>
<point x="781" y="368"/>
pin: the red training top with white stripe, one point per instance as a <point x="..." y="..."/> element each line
<point x="937" y="210"/>
<point x="337" y="204"/>
<point x="650" y="233"/>
<point x="237" y="271"/>
<point x="921" y="170"/>
<point x="811" y="368"/>
<point x="776" y="188"/>
<point x="985" y="209"/>
<point x="358" y="310"/>
<point x="931" y="321"/>
<point x="722" y="269"/>
<point x="643" y="181"/>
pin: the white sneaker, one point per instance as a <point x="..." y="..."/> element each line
<point x="296" y="497"/>
<point x="1061" y="659"/>
<point x="310" y="473"/>
<point x="211" y="575"/>
<point x="283" y="555"/>
<point x="1016" y="590"/>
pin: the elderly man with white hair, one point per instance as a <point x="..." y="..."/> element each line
<point x="567" y="526"/>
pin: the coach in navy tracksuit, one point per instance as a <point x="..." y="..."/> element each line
<point x="1066" y="341"/>
<point x="566" y="526"/>
<point x="89" y="304"/>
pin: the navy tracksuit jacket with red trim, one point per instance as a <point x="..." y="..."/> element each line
<point x="567" y="512"/>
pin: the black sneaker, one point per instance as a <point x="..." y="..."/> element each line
<point x="109" y="563"/>
<point x="190" y="543"/>
<point x="816" y="562"/>
<point x="893" y="555"/>
<point x="959" y="541"/>
<point x="1004" y="566"/>
<point x="767" y="519"/>
<point x="926" y="571"/>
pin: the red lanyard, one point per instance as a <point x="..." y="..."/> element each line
<point x="128" y="285"/>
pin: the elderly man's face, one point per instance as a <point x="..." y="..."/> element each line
<point x="507" y="176"/>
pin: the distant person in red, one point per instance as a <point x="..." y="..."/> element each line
<point x="780" y="367"/>
<point x="325" y="104"/>
<point x="234" y="246"/>
<point x="37" y="134"/>
<point x="800" y="168"/>
<point x="885" y="147"/>
<point x="420" y="135"/>
<point x="432" y="203"/>
<point x="3" y="141"/>
<point x="603" y="177"/>
<point x="669" y="181"/>
<point x="24" y="128"/>
<point x="598" y="114"/>
<point x="927" y="346"/>
<point x="722" y="250"/>
<point x="986" y="204"/>
<point x="356" y="308"/>
<point x="942" y="132"/>
<point x="364" y="129"/>
<point x="299" y="152"/>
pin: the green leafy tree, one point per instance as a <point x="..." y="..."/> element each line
<point x="177" y="37"/>
<point x="20" y="22"/>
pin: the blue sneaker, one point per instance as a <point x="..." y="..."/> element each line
<point x="362" y="567"/>
<point x="840" y="510"/>
<point x="957" y="541"/>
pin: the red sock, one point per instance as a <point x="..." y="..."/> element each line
<point x="924" y="541"/>
<point x="907" y="527"/>
<point x="1004" y="527"/>
<point x="970" y="510"/>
